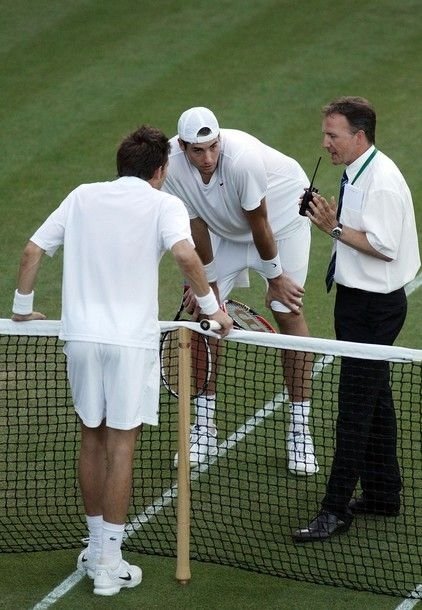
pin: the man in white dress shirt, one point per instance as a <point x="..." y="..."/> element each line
<point x="376" y="255"/>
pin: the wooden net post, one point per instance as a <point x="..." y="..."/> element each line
<point x="183" y="574"/>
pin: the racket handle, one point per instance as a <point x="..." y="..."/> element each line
<point x="209" y="325"/>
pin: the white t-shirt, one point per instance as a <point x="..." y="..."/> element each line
<point x="247" y="171"/>
<point x="114" y="234"/>
<point x="380" y="204"/>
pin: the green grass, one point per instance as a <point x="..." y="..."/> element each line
<point x="76" y="77"/>
<point x="212" y="588"/>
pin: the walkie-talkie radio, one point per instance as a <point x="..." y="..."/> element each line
<point x="308" y="194"/>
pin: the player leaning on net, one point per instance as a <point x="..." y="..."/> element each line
<point x="377" y="253"/>
<point x="114" y="234"/>
<point x="246" y="195"/>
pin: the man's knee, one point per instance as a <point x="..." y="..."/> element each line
<point x="292" y="323"/>
<point x="122" y="442"/>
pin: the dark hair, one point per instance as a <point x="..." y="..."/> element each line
<point x="142" y="152"/>
<point x="359" y="113"/>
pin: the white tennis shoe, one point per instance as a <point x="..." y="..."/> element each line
<point x="301" y="454"/>
<point x="109" y="582"/>
<point x="203" y="444"/>
<point x="85" y="565"/>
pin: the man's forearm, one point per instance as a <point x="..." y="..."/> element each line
<point x="358" y="241"/>
<point x="29" y="266"/>
<point x="191" y="267"/>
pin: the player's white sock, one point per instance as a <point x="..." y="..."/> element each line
<point x="95" y="529"/>
<point x="112" y="534"/>
<point x="205" y="410"/>
<point x="299" y="417"/>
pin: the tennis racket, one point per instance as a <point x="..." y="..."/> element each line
<point x="244" y="318"/>
<point x="200" y="355"/>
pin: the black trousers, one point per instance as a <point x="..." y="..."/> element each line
<point x="366" y="429"/>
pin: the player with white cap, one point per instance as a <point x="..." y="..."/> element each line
<point x="246" y="194"/>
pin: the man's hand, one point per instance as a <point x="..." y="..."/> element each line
<point x="224" y="320"/>
<point x="286" y="291"/>
<point x="190" y="303"/>
<point x="35" y="315"/>
<point x="323" y="214"/>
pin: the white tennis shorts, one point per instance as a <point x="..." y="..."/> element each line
<point x="231" y="258"/>
<point x="115" y="383"/>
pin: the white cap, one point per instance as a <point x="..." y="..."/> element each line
<point x="195" y="119"/>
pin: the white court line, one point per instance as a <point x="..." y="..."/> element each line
<point x="60" y="591"/>
<point x="171" y="493"/>
<point x="159" y="504"/>
<point x="413" y="599"/>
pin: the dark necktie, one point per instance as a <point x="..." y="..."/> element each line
<point x="329" y="278"/>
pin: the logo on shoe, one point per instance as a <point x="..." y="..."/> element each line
<point x="128" y="577"/>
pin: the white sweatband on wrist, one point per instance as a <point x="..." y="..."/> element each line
<point x="23" y="303"/>
<point x="211" y="272"/>
<point x="272" y="268"/>
<point x="208" y="303"/>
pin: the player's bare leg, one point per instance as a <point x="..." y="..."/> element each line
<point x="112" y="572"/>
<point x="297" y="367"/>
<point x="120" y="449"/>
<point x="92" y="468"/>
<point x="92" y="473"/>
<point x="203" y="435"/>
<point x="105" y="478"/>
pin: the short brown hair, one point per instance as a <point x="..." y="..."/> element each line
<point x="142" y="152"/>
<point x="359" y="113"/>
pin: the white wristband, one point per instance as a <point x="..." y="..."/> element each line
<point x="208" y="303"/>
<point x="272" y="268"/>
<point x="211" y="272"/>
<point x="23" y="303"/>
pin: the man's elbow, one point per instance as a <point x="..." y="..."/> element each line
<point x="380" y="249"/>
<point x="382" y="256"/>
<point x="31" y="253"/>
<point x="183" y="252"/>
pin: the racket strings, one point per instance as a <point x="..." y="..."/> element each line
<point x="201" y="363"/>
<point x="246" y="318"/>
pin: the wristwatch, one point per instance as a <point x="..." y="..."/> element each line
<point x="337" y="231"/>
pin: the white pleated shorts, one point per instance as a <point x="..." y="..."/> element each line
<point x="120" y="385"/>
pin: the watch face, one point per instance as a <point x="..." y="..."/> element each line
<point x="336" y="232"/>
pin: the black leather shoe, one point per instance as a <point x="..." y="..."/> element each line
<point x="322" y="527"/>
<point x="362" y="506"/>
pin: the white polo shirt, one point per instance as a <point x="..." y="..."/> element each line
<point x="247" y="171"/>
<point x="380" y="204"/>
<point x="114" y="234"/>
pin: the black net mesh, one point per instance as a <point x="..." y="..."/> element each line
<point x="245" y="502"/>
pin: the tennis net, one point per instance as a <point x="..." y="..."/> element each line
<point x="244" y="503"/>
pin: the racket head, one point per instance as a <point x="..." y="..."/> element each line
<point x="246" y="318"/>
<point x="169" y="370"/>
<point x="201" y="362"/>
